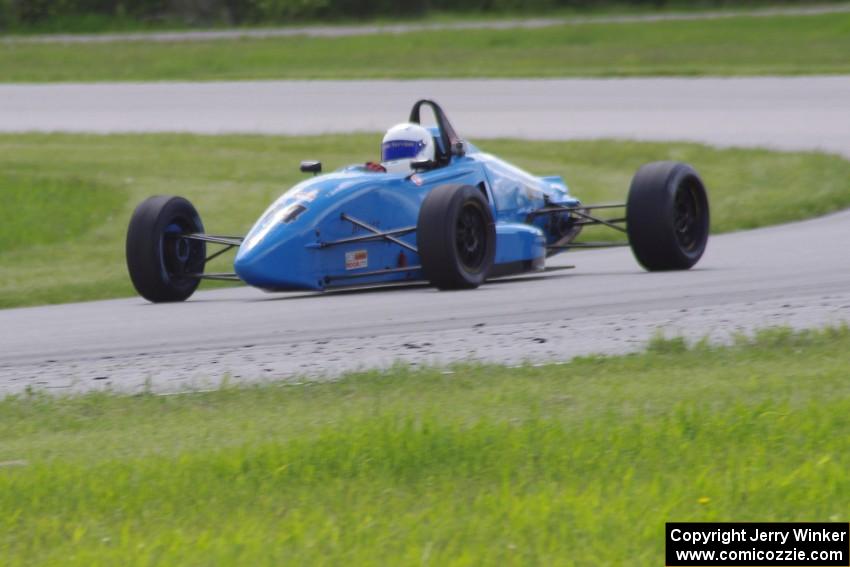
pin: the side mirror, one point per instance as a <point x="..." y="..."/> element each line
<point x="314" y="167"/>
<point x="423" y="164"/>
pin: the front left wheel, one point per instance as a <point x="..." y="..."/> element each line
<point x="456" y="237"/>
<point x="163" y="265"/>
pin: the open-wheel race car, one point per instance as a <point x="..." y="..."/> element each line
<point x="436" y="209"/>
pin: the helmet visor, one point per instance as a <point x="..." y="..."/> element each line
<point x="401" y="149"/>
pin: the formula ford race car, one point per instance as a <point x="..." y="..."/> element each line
<point x="454" y="220"/>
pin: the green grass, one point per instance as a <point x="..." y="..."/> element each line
<point x="577" y="464"/>
<point x="736" y="46"/>
<point x="69" y="205"/>
<point x="62" y="231"/>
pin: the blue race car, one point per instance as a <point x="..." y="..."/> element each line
<point x="436" y="209"/>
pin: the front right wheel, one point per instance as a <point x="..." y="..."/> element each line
<point x="667" y="217"/>
<point x="163" y="265"/>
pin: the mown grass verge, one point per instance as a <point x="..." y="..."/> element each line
<point x="733" y="46"/>
<point x="68" y="198"/>
<point x="569" y="464"/>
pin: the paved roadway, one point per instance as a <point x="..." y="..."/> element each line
<point x="795" y="274"/>
<point x="791" y="113"/>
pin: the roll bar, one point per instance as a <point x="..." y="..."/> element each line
<point x="452" y="143"/>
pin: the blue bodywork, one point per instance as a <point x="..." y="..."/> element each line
<point x="304" y="240"/>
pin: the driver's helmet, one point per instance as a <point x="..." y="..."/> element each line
<point x="403" y="144"/>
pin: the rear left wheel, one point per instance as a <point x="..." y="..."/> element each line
<point x="163" y="265"/>
<point x="667" y="216"/>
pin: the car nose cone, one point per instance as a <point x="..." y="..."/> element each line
<point x="252" y="267"/>
<point x="277" y="260"/>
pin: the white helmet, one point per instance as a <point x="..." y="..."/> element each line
<point x="404" y="143"/>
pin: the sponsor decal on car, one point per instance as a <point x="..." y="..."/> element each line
<point x="302" y="195"/>
<point x="308" y="196"/>
<point x="356" y="259"/>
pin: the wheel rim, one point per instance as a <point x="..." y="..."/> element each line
<point x="471" y="237"/>
<point x="686" y="218"/>
<point x="180" y="256"/>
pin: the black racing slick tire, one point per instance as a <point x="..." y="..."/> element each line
<point x="163" y="266"/>
<point x="456" y="236"/>
<point x="667" y="218"/>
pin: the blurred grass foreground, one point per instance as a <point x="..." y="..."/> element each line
<point x="574" y="464"/>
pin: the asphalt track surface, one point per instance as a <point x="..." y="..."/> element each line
<point x="795" y="275"/>
<point x="402" y="28"/>
<point x="789" y="113"/>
